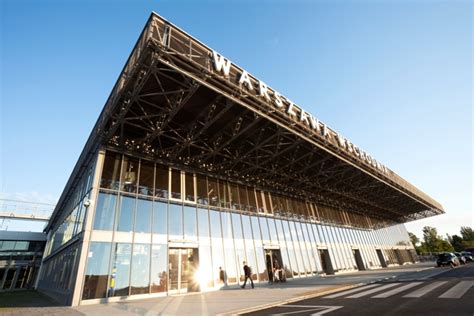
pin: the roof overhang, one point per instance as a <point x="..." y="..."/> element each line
<point x="176" y="102"/>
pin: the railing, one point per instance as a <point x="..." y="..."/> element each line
<point x="23" y="210"/>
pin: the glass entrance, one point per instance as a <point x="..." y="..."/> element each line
<point x="273" y="264"/>
<point x="183" y="265"/>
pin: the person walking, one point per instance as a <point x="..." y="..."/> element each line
<point x="248" y="275"/>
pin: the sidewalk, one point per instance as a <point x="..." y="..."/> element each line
<point x="217" y="302"/>
<point x="230" y="300"/>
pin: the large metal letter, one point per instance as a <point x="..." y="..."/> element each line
<point x="263" y="90"/>
<point x="221" y="64"/>
<point x="245" y="78"/>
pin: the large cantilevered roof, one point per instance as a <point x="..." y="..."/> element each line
<point x="179" y="102"/>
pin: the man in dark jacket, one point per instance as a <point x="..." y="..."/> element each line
<point x="248" y="275"/>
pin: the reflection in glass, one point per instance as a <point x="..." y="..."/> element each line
<point x="140" y="269"/>
<point x="95" y="283"/>
<point x="284" y="249"/>
<point x="119" y="284"/>
<point x="190" y="223"/>
<point x="143" y="216"/>
<point x="125" y="214"/>
<point x="175" y="227"/>
<point x="159" y="276"/>
<point x="111" y="171"/>
<point x="223" y="198"/>
<point x="104" y="212"/>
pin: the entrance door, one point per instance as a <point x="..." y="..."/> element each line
<point x="326" y="261"/>
<point x="358" y="259"/>
<point x="274" y="266"/>
<point x="183" y="265"/>
<point x="381" y="258"/>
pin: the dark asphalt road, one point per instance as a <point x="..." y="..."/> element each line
<point x="442" y="291"/>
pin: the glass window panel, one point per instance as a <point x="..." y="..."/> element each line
<point x="140" y="269"/>
<point x="223" y="199"/>
<point x="268" y="205"/>
<point x="203" y="220"/>
<point x="119" y="284"/>
<point x="159" y="274"/>
<point x="230" y="273"/>
<point x="147" y="176"/>
<point x="160" y="218"/>
<point x="111" y="171"/>
<point x="105" y="211"/>
<point x="249" y="246"/>
<point x="205" y="267"/>
<point x="175" y="215"/>
<point x="201" y="190"/>
<point x="125" y="214"/>
<point x="239" y="244"/>
<point x="234" y="196"/>
<point x="143" y="216"/>
<point x="244" y="202"/>
<point x="217" y="245"/>
<point x="189" y="183"/>
<point x="161" y="181"/>
<point x="252" y="201"/>
<point x="272" y="229"/>
<point x="290" y="247"/>
<point x="261" y="206"/>
<point x="129" y="175"/>
<point x="190" y="224"/>
<point x="264" y="228"/>
<point x="175" y="184"/>
<point x="95" y="283"/>
<point x="260" y="256"/>
<point x="212" y="191"/>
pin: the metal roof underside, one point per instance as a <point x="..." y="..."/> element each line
<point x="168" y="106"/>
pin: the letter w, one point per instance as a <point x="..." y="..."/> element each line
<point x="221" y="64"/>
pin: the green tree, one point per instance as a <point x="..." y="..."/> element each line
<point x="432" y="242"/>
<point x="467" y="233"/>
<point x="414" y="240"/>
<point x="456" y="242"/>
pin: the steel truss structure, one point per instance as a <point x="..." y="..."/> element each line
<point x="169" y="105"/>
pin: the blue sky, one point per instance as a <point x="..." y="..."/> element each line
<point x="395" y="77"/>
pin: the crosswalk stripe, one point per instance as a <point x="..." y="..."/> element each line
<point x="425" y="289"/>
<point x="397" y="290"/>
<point x="458" y="290"/>
<point x="377" y="289"/>
<point x="351" y="291"/>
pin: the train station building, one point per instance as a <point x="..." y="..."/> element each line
<point x="195" y="166"/>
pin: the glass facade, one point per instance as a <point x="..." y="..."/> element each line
<point x="174" y="230"/>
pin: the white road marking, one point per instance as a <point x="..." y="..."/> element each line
<point x="377" y="289"/>
<point x="397" y="290"/>
<point x="458" y="290"/>
<point x="351" y="291"/>
<point x="320" y="310"/>
<point x="426" y="289"/>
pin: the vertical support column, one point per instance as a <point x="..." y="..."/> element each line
<point x="84" y="244"/>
